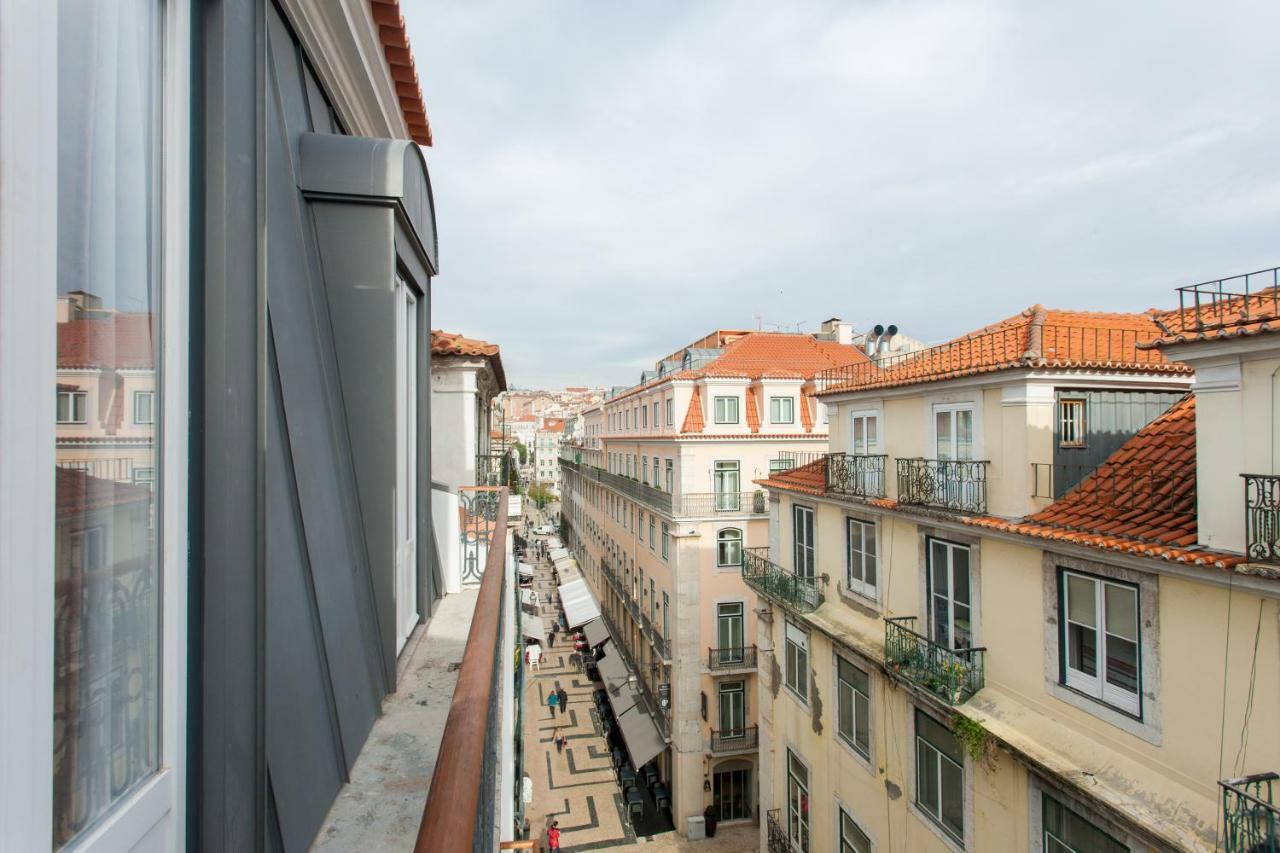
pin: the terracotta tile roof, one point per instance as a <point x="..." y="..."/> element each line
<point x="78" y="493"/>
<point x="110" y="341"/>
<point x="1217" y="319"/>
<point x="806" y="412"/>
<point x="753" y="409"/>
<point x="1038" y="337"/>
<point x="446" y="344"/>
<point x="1142" y="500"/>
<point x="808" y="479"/>
<point x="404" y="72"/>
<point x="693" y="418"/>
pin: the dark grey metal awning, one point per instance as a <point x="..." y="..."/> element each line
<point x="640" y="734"/>
<point x="596" y="632"/>
<point x="639" y="730"/>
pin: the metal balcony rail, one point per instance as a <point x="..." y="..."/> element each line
<point x="707" y="504"/>
<point x="1262" y="517"/>
<point x="1129" y="486"/>
<point x="1251" y="820"/>
<point x="778" y="842"/>
<point x="632" y="488"/>
<point x="734" y="740"/>
<point x="1025" y="346"/>
<point x="856" y="475"/>
<point x="492" y="469"/>
<point x="797" y="458"/>
<point x="732" y="657"/>
<point x="953" y="484"/>
<point x="952" y="675"/>
<point x="1246" y="298"/>
<point x="792" y="590"/>
<point x="464" y="786"/>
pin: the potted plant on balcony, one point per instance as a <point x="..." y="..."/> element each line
<point x="712" y="816"/>
<point x="956" y="676"/>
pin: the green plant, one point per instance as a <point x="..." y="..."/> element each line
<point x="975" y="740"/>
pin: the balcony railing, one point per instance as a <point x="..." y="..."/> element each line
<point x="953" y="484"/>
<point x="733" y="740"/>
<point x="788" y="459"/>
<point x="493" y="469"/>
<point x="732" y="657"/>
<point x="1247" y="298"/>
<point x="632" y="488"/>
<point x="1251" y="820"/>
<point x="856" y="475"/>
<point x="791" y="590"/>
<point x="1262" y="517"/>
<point x="777" y="832"/>
<point x="707" y="504"/>
<point x="463" y="797"/>
<point x="952" y="675"/>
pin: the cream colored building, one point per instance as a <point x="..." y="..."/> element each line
<point x="659" y="507"/>
<point x="968" y="644"/>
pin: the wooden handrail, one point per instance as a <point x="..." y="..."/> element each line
<point x="453" y="802"/>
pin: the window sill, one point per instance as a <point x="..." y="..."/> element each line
<point x="862" y="603"/>
<point x="1110" y="714"/>
<point x="932" y="825"/>
<point x="799" y="700"/>
<point x="863" y="760"/>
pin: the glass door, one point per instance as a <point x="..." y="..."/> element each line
<point x="950" y="599"/>
<point x="731" y="793"/>
<point x="733" y="710"/>
<point x="729" y="633"/>
<point x="727" y="486"/>
<point x="406" y="465"/>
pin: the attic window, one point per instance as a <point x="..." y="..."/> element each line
<point x="1071" y="423"/>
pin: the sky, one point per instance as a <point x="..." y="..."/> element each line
<point x="616" y="179"/>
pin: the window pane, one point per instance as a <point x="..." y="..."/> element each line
<point x="844" y="709"/>
<point x="852" y="839"/>
<point x="943" y="427"/>
<point x="953" y="798"/>
<point x="1122" y="611"/>
<point x="1081" y="601"/>
<point x="106" y="565"/>
<point x="862" y="722"/>
<point x="1122" y="664"/>
<point x="1082" y="649"/>
<point x="964" y="434"/>
<point x="869" y="548"/>
<point x="927" y="777"/>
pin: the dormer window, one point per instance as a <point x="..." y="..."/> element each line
<point x="1071" y="428"/>
<point x="726" y="410"/>
<point x="782" y="410"/>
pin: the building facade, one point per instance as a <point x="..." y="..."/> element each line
<point x="977" y="640"/>
<point x="659" y="509"/>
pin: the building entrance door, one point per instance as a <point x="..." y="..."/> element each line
<point x="731" y="792"/>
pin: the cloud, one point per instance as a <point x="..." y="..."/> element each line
<point x="613" y="180"/>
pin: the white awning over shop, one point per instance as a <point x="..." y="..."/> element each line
<point x="578" y="603"/>
<point x="533" y="627"/>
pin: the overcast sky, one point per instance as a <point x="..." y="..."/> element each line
<point x="615" y="179"/>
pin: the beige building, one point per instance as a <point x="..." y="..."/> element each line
<point x="659" y="508"/>
<point x="1011" y="609"/>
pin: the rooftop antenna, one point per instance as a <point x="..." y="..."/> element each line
<point x="759" y="321"/>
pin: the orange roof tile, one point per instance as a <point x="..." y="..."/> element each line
<point x="1038" y="337"/>
<point x="1216" y="319"/>
<point x="109" y="341"/>
<point x="448" y="344"/>
<point x="404" y="73"/>
<point x="693" y="418"/>
<point x="808" y="479"/>
<point x="753" y="410"/>
<point x="806" y="413"/>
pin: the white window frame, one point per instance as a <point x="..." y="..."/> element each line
<point x="1097" y="686"/>
<point x="725" y="537"/>
<point x="954" y="409"/>
<point x="841" y="846"/>
<point x="28" y="346"/>
<point x="75" y="400"/>
<point x="782" y="410"/>
<point x="666" y="540"/>
<point x="150" y="398"/>
<point x="932" y="593"/>
<point x="1072" y="427"/>
<point x="721" y="406"/>
<point x="670" y="471"/>
<point x="850" y="739"/>
<point x="934" y="820"/>
<point x="859" y="558"/>
<point x="671" y="407"/>
<point x="803" y="818"/>
<point x="804" y="552"/>
<point x="864" y="432"/>
<point x="796" y="666"/>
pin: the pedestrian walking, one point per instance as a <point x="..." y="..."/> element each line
<point x="551" y="639"/>
<point x="553" y="837"/>
<point x="564" y="700"/>
<point x="559" y="738"/>
<point x="552" y="701"/>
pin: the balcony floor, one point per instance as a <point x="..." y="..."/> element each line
<point x="381" y="807"/>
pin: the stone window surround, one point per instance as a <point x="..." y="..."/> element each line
<point x="974" y="543"/>
<point x="910" y="793"/>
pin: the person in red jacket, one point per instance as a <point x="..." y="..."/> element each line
<point x="553" y="837"/>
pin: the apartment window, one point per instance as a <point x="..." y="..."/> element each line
<point x="726" y="480"/>
<point x="653" y="602"/>
<point x="805" y="551"/>
<point x="726" y="410"/>
<point x="782" y="410"/>
<point x="864" y="432"/>
<point x="644" y="469"/>
<point x="1067" y="832"/>
<point x="730" y="632"/>
<point x="954" y="431"/>
<point x="797" y="803"/>
<point x="628" y="419"/>
<point x="143" y="476"/>
<point x="629" y="469"/>
<point x="797" y="662"/>
<point x="670" y="476"/>
<point x="671" y="407"/>
<point x="852" y="838"/>
<point x="644" y="417"/>
<point x="853" y="706"/>
<point x="1071" y="423"/>
<point x="729" y="547"/>
<point x="1100" y="643"/>
<point x="939" y="775"/>
<point x="860" y="569"/>
<point x="666" y="540"/>
<point x="733" y="709"/>
<point x="666" y="624"/>
<point x="641" y="530"/>
<point x="144" y="407"/>
<point x="656" y="423"/>
<point x="71" y="407"/>
<point x="950" y="594"/>
<point x="777" y="466"/>
<point x="652" y="527"/>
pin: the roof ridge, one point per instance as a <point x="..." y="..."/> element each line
<point x="1035" y="333"/>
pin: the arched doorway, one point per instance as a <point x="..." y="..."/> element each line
<point x="732" y="789"/>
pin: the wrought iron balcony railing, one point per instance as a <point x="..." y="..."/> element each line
<point x="492" y="469"/>
<point x="1262" y="517"/>
<point x="791" y="590"/>
<point x="1251" y="819"/>
<point x="952" y="675"/>
<point x="1246" y="298"/>
<point x="707" y="504"/>
<point x="953" y="484"/>
<point x="732" y="657"/>
<point x="777" y="832"/>
<point x="856" y="475"/>
<point x="733" y="740"/>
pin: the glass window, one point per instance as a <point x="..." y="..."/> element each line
<point x="107" y="648"/>
<point x="797" y="661"/>
<point x="729" y="547"/>
<point x="805" y="551"/>
<point x="939" y="775"/>
<point x="950" y="600"/>
<point x="852" y="838"/>
<point x="733" y="709"/>
<point x="797" y="803"/>
<point x="666" y="540"/>
<point x="782" y="410"/>
<point x="652" y="527"/>
<point x="954" y="431"/>
<point x="729" y="632"/>
<point x="726" y="478"/>
<point x="671" y="405"/>
<point x="853" y="706"/>
<point x="864" y="433"/>
<point x="644" y="469"/>
<point x="1071" y="427"/>
<point x="1100" y="640"/>
<point x="1067" y="832"/>
<point x="666" y="625"/>
<point x="860" y="568"/>
<point x="644" y="417"/>
<point x="670" y="476"/>
<point x="726" y="410"/>
<point x="656" y="422"/>
<point x="777" y="466"/>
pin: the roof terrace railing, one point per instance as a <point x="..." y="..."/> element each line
<point x="707" y="504"/>
<point x="789" y="459"/>
<point x="1248" y="297"/>
<point x="1025" y="345"/>
<point x="464" y="786"/>
<point x="856" y="475"/>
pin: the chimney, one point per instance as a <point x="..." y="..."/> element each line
<point x="837" y="330"/>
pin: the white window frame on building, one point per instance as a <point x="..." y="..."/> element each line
<point x="75" y="411"/>
<point x="729" y="548"/>
<point x="726" y="482"/>
<point x="864" y="432"/>
<point x="782" y="410"/>
<point x="1072" y="427"/>
<point x="939" y="774"/>
<point x="1094" y="596"/>
<point x="796" y="661"/>
<point x="144" y="407"/>
<point x="671" y="407"/>
<point x="726" y="410"/>
<point x="805" y="546"/>
<point x="799" y="805"/>
<point x="942" y="569"/>
<point x="850" y="837"/>
<point x="950" y="421"/>
<point x="861" y="557"/>
<point x="670" y="469"/>
<point x="666" y="540"/>
<point x="853" y="705"/>
<point x="731" y="622"/>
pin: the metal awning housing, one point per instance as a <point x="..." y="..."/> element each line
<point x="596" y="632"/>
<point x="579" y="604"/>
<point x="639" y="730"/>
